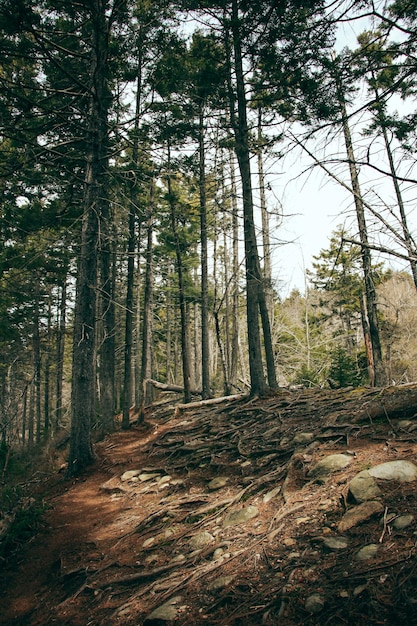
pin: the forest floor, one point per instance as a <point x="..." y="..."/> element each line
<point x="224" y="519"/>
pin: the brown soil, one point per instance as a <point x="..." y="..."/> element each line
<point x="110" y="553"/>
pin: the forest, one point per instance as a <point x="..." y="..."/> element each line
<point x="142" y="146"/>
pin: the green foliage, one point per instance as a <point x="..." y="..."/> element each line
<point x="22" y="524"/>
<point x="347" y="370"/>
<point x="307" y="377"/>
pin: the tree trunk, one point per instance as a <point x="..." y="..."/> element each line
<point x="370" y="291"/>
<point x="60" y="348"/>
<point x="36" y="342"/>
<point x="185" y="340"/>
<point x="235" y="293"/>
<point x="108" y="319"/>
<point x="266" y="240"/>
<point x="408" y="240"/>
<point x="205" y="349"/>
<point x="255" y="299"/>
<point x="128" y="351"/>
<point x="147" y="322"/>
<point x="83" y="392"/>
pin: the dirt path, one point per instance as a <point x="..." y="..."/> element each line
<point x="79" y="529"/>
<point x="115" y="548"/>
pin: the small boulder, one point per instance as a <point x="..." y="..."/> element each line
<point x="130" y="474"/>
<point x="359" y="514"/>
<point x="403" y="521"/>
<point x="200" y="540"/>
<point x="239" y="517"/>
<point x="167" y="612"/>
<point x="403" y="471"/>
<point x="329" y="464"/>
<point x="218" y="483"/>
<point x="363" y="487"/>
<point x="335" y="543"/>
<point x="314" y="603"/>
<point x="367" y="552"/>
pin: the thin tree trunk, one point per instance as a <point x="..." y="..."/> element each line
<point x="370" y="291"/>
<point x="47" y="374"/>
<point x="255" y="300"/>
<point x="205" y="348"/>
<point x="147" y="322"/>
<point x="235" y="296"/>
<point x="37" y="365"/>
<point x="185" y="341"/>
<point x="129" y="344"/>
<point x="408" y="240"/>
<point x="266" y="240"/>
<point x="108" y="319"/>
<point x="60" y="348"/>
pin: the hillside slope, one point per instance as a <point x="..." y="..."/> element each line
<point x="241" y="513"/>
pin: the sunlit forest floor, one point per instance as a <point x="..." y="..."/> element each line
<point x="221" y="515"/>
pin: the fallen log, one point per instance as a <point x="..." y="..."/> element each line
<point x="388" y="402"/>
<point x="195" y="405"/>
<point x="168" y="387"/>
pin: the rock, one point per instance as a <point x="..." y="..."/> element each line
<point x="335" y="543"/>
<point x="220" y="583"/>
<point x="359" y="514"/>
<point x="363" y="487"/>
<point x="289" y="541"/>
<point x="367" y="552"/>
<point x="130" y="474"/>
<point x="329" y="464"/>
<point x="239" y="517"/>
<point x="164" y="479"/>
<point x="271" y="494"/>
<point x="166" y="612"/>
<point x="314" y="603"/>
<point x="218" y="483"/>
<point x="144" y="478"/>
<point x="113" y="485"/>
<point x="403" y="521"/>
<point x="403" y="471"/>
<point x="218" y="554"/>
<point x="301" y="438"/>
<point x="200" y="540"/>
<point x="359" y="589"/>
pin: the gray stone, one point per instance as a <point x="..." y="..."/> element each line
<point x="271" y="494"/>
<point x="336" y="543"/>
<point x="367" y="552"/>
<point x="200" y="540"/>
<point x="145" y="477"/>
<point x="330" y="464"/>
<point x="314" y="603"/>
<point x="403" y="471"/>
<point x="359" y="514"/>
<point x="113" y="485"/>
<point x="166" y="612"/>
<point x="403" y="521"/>
<point x="363" y="487"/>
<point x="218" y="482"/>
<point x="220" y="583"/>
<point x="239" y="517"/>
<point x="301" y="438"/>
<point x="130" y="474"/>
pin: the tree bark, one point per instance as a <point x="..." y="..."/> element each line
<point x="83" y="392"/>
<point x="147" y="322"/>
<point x="255" y="300"/>
<point x="370" y="291"/>
<point x="205" y="350"/>
<point x="60" y="347"/>
<point x="185" y="340"/>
